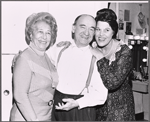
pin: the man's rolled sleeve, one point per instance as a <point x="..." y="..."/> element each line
<point x="97" y="92"/>
<point x="93" y="98"/>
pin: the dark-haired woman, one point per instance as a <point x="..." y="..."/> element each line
<point x="114" y="66"/>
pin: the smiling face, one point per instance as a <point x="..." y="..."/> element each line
<point x="84" y="30"/>
<point x="41" y="35"/>
<point x="103" y="33"/>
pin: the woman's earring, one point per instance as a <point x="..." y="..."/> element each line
<point x="73" y="29"/>
<point x="94" y="44"/>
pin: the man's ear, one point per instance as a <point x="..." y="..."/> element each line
<point x="31" y="37"/>
<point x="73" y="28"/>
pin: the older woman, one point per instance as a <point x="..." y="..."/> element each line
<point x="34" y="75"/>
<point x="114" y="65"/>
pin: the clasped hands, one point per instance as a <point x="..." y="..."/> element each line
<point x="67" y="104"/>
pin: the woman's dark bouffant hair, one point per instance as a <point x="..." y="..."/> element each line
<point x="109" y="16"/>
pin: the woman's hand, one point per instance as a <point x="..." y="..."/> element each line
<point x="69" y="104"/>
<point x="64" y="43"/>
<point x="94" y="44"/>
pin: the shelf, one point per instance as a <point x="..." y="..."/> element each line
<point x="140" y="86"/>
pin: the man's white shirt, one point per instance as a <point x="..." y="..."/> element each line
<point x="73" y="68"/>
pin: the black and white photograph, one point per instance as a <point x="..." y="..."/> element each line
<point x="121" y="26"/>
<point x="73" y="61"/>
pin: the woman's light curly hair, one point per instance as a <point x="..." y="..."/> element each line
<point x="41" y="16"/>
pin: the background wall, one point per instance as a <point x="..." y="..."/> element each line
<point x="134" y="10"/>
<point x="14" y="15"/>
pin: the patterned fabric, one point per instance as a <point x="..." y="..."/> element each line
<point x="120" y="103"/>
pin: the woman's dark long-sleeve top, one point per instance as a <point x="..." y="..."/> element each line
<point x="120" y="103"/>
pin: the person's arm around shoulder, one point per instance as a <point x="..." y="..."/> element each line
<point x="57" y="50"/>
<point x="118" y="71"/>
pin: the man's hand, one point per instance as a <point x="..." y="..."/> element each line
<point x="69" y="104"/>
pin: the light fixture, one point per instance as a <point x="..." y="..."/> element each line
<point x="136" y="37"/>
<point x="142" y="38"/>
<point x="146" y="38"/>
<point x="145" y="48"/>
<point x="130" y="36"/>
<point x="144" y="60"/>
<point x="130" y="46"/>
<point x="132" y="42"/>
